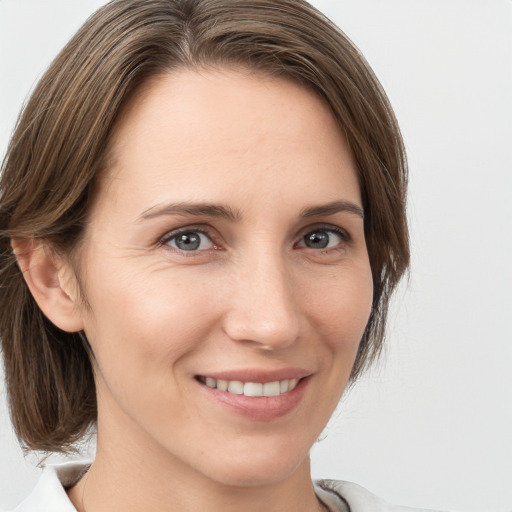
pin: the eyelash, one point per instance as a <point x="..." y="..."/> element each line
<point x="344" y="235"/>
<point x="168" y="237"/>
<point x="164" y="241"/>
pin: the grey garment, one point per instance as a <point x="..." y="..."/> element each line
<point x="332" y="499"/>
<point x="49" y="495"/>
<point x="340" y="496"/>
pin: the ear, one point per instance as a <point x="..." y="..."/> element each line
<point x="52" y="283"/>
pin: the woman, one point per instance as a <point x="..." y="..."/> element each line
<point x="202" y="220"/>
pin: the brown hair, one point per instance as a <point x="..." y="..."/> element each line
<point x="59" y="147"/>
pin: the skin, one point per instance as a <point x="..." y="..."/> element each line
<point x="253" y="296"/>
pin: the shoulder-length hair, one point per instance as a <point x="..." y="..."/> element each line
<point x="60" y="143"/>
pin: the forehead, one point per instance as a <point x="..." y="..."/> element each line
<point x="197" y="132"/>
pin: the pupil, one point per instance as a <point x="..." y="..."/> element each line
<point x="188" y="241"/>
<point x="317" y="240"/>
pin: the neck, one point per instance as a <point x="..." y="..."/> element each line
<point x="130" y="487"/>
<point x="131" y="475"/>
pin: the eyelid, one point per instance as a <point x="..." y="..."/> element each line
<point x="210" y="233"/>
<point x="202" y="229"/>
<point x="342" y="233"/>
<point x="326" y="227"/>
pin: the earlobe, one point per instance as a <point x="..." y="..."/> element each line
<point x="51" y="282"/>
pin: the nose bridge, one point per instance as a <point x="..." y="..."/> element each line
<point x="263" y="308"/>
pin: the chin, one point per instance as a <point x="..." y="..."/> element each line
<point x="254" y="477"/>
<point x="263" y="468"/>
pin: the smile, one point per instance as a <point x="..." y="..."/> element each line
<point x="253" y="389"/>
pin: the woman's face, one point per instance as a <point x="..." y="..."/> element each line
<point x="225" y="250"/>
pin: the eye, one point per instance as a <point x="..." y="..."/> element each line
<point x="192" y="240"/>
<point x="323" y="238"/>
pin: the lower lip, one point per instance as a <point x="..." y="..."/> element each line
<point x="260" y="408"/>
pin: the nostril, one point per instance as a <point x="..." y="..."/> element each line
<point x="267" y="330"/>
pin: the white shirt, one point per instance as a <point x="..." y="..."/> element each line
<point x="49" y="495"/>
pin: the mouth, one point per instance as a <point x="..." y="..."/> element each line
<point x="251" y="389"/>
<point x="258" y="395"/>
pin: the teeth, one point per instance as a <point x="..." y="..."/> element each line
<point x="237" y="387"/>
<point x="271" y="389"/>
<point x="222" y="385"/>
<point x="253" y="389"/>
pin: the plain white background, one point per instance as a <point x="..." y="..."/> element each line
<point x="431" y="426"/>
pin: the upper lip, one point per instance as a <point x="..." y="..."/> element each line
<point x="259" y="375"/>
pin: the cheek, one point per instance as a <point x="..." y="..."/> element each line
<point x="341" y="304"/>
<point x="138" y="323"/>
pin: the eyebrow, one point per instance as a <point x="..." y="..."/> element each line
<point x="196" y="209"/>
<point x="234" y="215"/>
<point x="332" y="208"/>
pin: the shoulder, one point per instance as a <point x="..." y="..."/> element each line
<point x="49" y="494"/>
<point x="356" y="498"/>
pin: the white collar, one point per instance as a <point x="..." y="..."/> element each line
<point x="50" y="495"/>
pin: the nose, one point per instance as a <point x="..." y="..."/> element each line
<point x="263" y="308"/>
